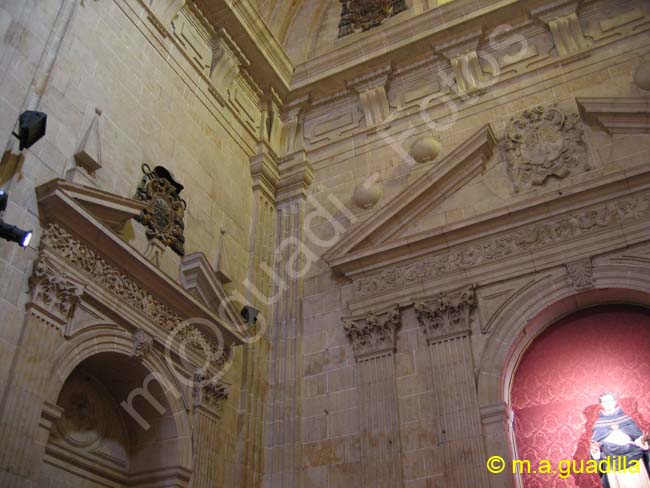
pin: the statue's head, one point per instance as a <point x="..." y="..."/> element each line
<point x="609" y="402"/>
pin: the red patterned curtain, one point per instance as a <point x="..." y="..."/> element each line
<point x="556" y="387"/>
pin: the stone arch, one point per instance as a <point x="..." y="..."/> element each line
<point x="106" y="341"/>
<point x="517" y="325"/>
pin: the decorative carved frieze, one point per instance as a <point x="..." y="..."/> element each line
<point x="580" y="273"/>
<point x="208" y="391"/>
<point x="446" y="314"/>
<point x="165" y="211"/>
<point x="53" y="294"/>
<point x="373" y="334"/>
<point x="521" y="241"/>
<point x="366" y="14"/>
<point x="142" y="343"/>
<point x="541" y="143"/>
<point x="126" y="290"/>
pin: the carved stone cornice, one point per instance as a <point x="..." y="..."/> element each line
<point x="54" y="295"/>
<point x="102" y="273"/>
<point x="542" y="143"/>
<point x="296" y="176"/>
<point x="580" y="274"/>
<point x="518" y="242"/>
<point x="373" y="335"/>
<point x="619" y="115"/>
<point x="265" y="172"/>
<point x="447" y="314"/>
<point x="142" y="343"/>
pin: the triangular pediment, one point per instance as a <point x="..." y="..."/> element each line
<point x="398" y="220"/>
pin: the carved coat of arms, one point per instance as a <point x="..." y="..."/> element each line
<point x="366" y="14"/>
<point x="165" y="211"/>
<point x="541" y="143"/>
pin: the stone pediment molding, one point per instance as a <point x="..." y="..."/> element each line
<point x="76" y="240"/>
<point x="429" y="191"/>
<point x="618" y="115"/>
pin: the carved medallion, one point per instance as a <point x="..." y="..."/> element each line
<point x="543" y="143"/>
<point x="164" y="214"/>
<point x="83" y="421"/>
<point x="366" y="14"/>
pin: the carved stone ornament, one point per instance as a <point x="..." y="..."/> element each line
<point x="366" y="14"/>
<point x="208" y="391"/>
<point x="374" y="334"/>
<point x="52" y="291"/>
<point x="541" y="143"/>
<point x="127" y="290"/>
<point x="165" y="211"/>
<point x="446" y="313"/>
<point x="580" y="274"/>
<point x="83" y="422"/>
<point x="530" y="237"/>
<point x="142" y="343"/>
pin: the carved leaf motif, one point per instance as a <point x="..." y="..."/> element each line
<point x="446" y="313"/>
<point x="374" y="334"/>
<point x="53" y="291"/>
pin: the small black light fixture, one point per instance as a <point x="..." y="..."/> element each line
<point x="31" y="128"/>
<point x="250" y="314"/>
<point x="9" y="232"/>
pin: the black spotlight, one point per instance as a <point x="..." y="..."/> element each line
<point x="11" y="232"/>
<point x="250" y="314"/>
<point x="31" y="128"/>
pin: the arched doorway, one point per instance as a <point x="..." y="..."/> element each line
<point x="97" y="442"/>
<point x="555" y="388"/>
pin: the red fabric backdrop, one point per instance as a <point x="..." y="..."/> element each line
<point x="556" y="386"/>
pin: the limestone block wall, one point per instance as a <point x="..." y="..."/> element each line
<point x="446" y="95"/>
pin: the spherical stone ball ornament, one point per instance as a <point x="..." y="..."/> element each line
<point x="642" y="75"/>
<point x="425" y="149"/>
<point x="366" y="196"/>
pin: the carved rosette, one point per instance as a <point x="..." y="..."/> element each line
<point x="53" y="294"/>
<point x="142" y="343"/>
<point x="543" y="143"/>
<point x="580" y="274"/>
<point x="165" y="211"/>
<point x="366" y="14"/>
<point x="208" y="391"/>
<point x="374" y="334"/>
<point x="446" y="314"/>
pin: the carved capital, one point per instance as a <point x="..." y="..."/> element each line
<point x="542" y="143"/>
<point x="446" y="314"/>
<point x="208" y="391"/>
<point x="142" y="343"/>
<point x="54" y="296"/>
<point x="374" y="335"/>
<point x="562" y="20"/>
<point x="580" y="274"/>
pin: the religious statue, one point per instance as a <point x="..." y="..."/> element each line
<point x="618" y="442"/>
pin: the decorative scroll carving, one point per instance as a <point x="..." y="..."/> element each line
<point x="446" y="313"/>
<point x="142" y="343"/>
<point x="374" y="335"/>
<point x="580" y="274"/>
<point x="208" y="391"/>
<point x="165" y="211"/>
<point x="366" y="14"/>
<point x="127" y="290"/>
<point x="527" y="238"/>
<point x="541" y="143"/>
<point x="53" y="292"/>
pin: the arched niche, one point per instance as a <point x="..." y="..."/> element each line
<point x="518" y="323"/>
<point x="117" y="426"/>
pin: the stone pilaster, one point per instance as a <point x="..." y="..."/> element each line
<point x="283" y="440"/>
<point x="373" y="340"/>
<point x="53" y="300"/>
<point x="445" y="320"/>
